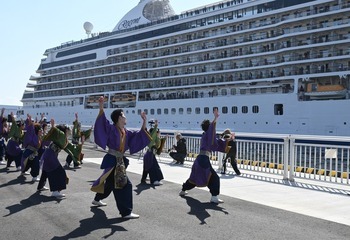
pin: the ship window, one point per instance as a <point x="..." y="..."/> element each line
<point x="173" y="111"/>
<point x="224" y="110"/>
<point x="189" y="110"/>
<point x="152" y="111"/>
<point x="146" y="111"/>
<point x="278" y="109"/>
<point x="181" y="111"/>
<point x="233" y="91"/>
<point x="159" y="111"/>
<point x="234" y="109"/>
<point x="166" y="111"/>
<point x="139" y="112"/>
<point x="244" y="109"/>
<point x="255" y="109"/>
<point x="198" y="110"/>
<point x="206" y="110"/>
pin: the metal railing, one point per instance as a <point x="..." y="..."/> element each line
<point x="319" y="158"/>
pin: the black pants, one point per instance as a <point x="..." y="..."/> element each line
<point x="123" y="197"/>
<point x="16" y="159"/>
<point x="69" y="160"/>
<point x="233" y="164"/>
<point x="179" y="157"/>
<point x="213" y="184"/>
<point x="57" y="179"/>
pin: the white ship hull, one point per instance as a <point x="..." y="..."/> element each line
<point x="306" y="118"/>
<point x="268" y="66"/>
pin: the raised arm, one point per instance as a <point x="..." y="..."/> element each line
<point x="29" y="120"/>
<point x="101" y="102"/>
<point x="52" y="122"/>
<point x="216" y="114"/>
<point x="13" y="117"/>
<point x="144" y="119"/>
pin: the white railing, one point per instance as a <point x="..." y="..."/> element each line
<point x="318" y="158"/>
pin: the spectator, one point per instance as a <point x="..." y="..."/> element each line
<point x="179" y="152"/>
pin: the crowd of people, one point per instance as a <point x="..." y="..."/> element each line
<point x="31" y="148"/>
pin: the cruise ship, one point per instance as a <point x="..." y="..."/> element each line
<point x="269" y="66"/>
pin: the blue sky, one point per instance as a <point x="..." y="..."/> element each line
<point x="29" y="27"/>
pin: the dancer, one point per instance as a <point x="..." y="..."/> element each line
<point x="13" y="149"/>
<point x="150" y="163"/>
<point x="202" y="173"/>
<point x="179" y="152"/>
<point x="231" y="152"/>
<point x="52" y="168"/>
<point x="77" y="135"/>
<point x="118" y="140"/>
<point x="31" y="143"/>
<point x="3" y="135"/>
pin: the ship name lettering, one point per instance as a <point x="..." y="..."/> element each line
<point x="128" y="23"/>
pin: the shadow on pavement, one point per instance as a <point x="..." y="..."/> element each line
<point x="142" y="187"/>
<point x="97" y="221"/>
<point x="199" y="209"/>
<point x="34" y="199"/>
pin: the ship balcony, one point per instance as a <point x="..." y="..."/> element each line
<point x="34" y="78"/>
<point x="30" y="85"/>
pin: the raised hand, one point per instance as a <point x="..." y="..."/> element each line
<point x="101" y="102"/>
<point x="144" y="118"/>
<point x="52" y="121"/>
<point x="216" y="114"/>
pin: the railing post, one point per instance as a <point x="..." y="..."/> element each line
<point x="285" y="158"/>
<point x="292" y="159"/>
<point x="219" y="160"/>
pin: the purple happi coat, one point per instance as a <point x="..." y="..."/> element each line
<point x="108" y="135"/>
<point x="200" y="173"/>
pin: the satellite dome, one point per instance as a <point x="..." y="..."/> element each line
<point x="88" y="27"/>
<point x="145" y="12"/>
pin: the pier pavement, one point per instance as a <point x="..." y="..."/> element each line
<point x="321" y="200"/>
<point x="256" y="206"/>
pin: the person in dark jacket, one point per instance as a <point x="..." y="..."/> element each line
<point x="231" y="152"/>
<point x="179" y="150"/>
